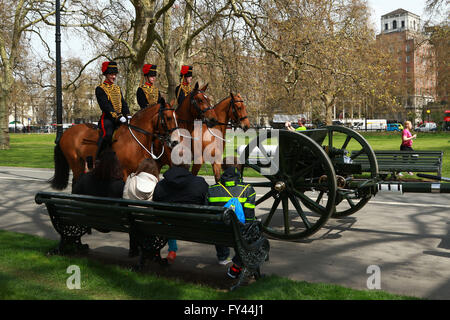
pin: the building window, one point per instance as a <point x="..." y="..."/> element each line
<point x="414" y="24"/>
<point x="408" y="58"/>
<point x="407" y="48"/>
<point x="407" y="69"/>
<point x="386" y="26"/>
<point x="403" y="24"/>
<point x="394" y="24"/>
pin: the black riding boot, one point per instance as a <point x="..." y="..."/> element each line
<point x="102" y="144"/>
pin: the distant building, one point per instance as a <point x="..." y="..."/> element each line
<point x="402" y="35"/>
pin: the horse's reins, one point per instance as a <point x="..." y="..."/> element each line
<point x="157" y="135"/>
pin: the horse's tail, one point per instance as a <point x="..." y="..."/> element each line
<point x="60" y="179"/>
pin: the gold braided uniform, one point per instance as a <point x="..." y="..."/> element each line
<point x="151" y="93"/>
<point x="114" y="96"/>
<point x="182" y="91"/>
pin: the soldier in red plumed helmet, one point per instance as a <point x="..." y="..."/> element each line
<point x="184" y="89"/>
<point x="114" y="107"/>
<point x="148" y="94"/>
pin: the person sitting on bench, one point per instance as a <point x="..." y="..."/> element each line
<point x="230" y="185"/>
<point x="180" y="186"/>
<point x="105" y="179"/>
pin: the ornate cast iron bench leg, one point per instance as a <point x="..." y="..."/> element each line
<point x="149" y="248"/>
<point x="70" y="240"/>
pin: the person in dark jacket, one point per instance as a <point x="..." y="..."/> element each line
<point x="219" y="194"/>
<point x="105" y="179"/>
<point x="114" y="108"/>
<point x="180" y="186"/>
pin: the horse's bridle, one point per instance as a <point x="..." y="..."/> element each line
<point x="235" y="120"/>
<point x="195" y="104"/>
<point x="165" y="136"/>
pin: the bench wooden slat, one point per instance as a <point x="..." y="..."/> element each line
<point x="394" y="161"/>
<point x="150" y="224"/>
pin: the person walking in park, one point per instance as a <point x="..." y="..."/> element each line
<point x="148" y="94"/>
<point x="407" y="140"/>
<point x="114" y="107"/>
<point x="184" y="88"/>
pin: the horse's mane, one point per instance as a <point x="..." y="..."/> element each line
<point x="138" y="115"/>
<point x="222" y="100"/>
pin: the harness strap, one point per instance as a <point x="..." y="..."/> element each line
<point x="230" y="192"/>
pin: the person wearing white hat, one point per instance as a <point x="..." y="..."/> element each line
<point x="140" y="186"/>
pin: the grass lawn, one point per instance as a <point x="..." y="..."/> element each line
<point x="27" y="273"/>
<point x="36" y="150"/>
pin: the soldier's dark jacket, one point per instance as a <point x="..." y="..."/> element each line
<point x="231" y="180"/>
<point x="111" y="101"/>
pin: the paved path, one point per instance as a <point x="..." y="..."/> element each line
<point x="406" y="236"/>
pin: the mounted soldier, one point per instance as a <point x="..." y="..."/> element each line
<point x="114" y="107"/>
<point x="147" y="94"/>
<point x="184" y="88"/>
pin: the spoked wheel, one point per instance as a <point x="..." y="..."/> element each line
<point x="298" y="171"/>
<point x="345" y="147"/>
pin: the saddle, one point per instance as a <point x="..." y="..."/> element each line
<point x="99" y="132"/>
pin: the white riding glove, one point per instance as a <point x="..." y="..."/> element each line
<point x="123" y="119"/>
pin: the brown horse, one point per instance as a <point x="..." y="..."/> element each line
<point x="80" y="141"/>
<point x="229" y="109"/>
<point x="196" y="106"/>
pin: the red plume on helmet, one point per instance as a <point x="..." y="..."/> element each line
<point x="105" y="66"/>
<point x="149" y="70"/>
<point x="109" y="67"/>
<point x="186" y="71"/>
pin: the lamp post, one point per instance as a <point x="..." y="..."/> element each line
<point x="59" y="128"/>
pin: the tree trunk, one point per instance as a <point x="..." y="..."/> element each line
<point x="4" y="118"/>
<point x="328" y="102"/>
<point x="133" y="82"/>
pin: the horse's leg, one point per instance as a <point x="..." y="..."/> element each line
<point x="198" y="162"/>
<point x="216" y="168"/>
<point x="196" y="168"/>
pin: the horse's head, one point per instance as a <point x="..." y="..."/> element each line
<point x="167" y="122"/>
<point x="200" y="102"/>
<point x="239" y="111"/>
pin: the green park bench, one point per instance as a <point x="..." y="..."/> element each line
<point x="150" y="224"/>
<point x="394" y="161"/>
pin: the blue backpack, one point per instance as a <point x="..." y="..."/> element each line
<point x="235" y="205"/>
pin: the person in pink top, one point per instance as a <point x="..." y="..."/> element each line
<point x="407" y="137"/>
<point x="407" y="140"/>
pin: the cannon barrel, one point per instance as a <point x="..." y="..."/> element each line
<point x="429" y="176"/>
<point x="414" y="187"/>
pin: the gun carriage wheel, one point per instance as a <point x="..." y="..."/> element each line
<point x="298" y="170"/>
<point x="345" y="147"/>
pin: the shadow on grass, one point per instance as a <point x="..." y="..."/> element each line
<point x="27" y="273"/>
